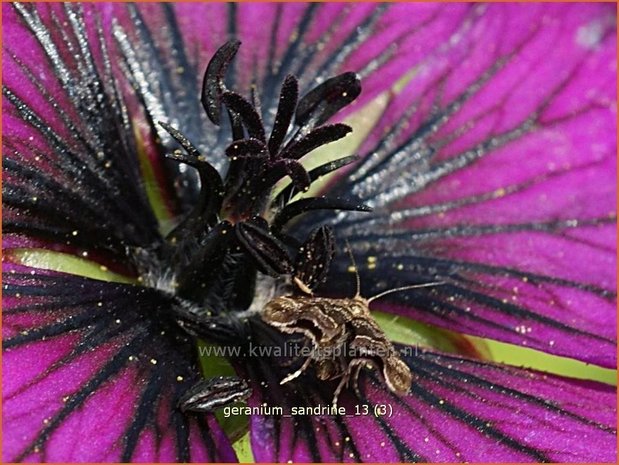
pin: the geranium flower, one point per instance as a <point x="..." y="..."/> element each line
<point x="486" y="141"/>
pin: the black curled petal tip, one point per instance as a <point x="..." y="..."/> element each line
<point x="268" y="253"/>
<point x="316" y="138"/>
<point x="315" y="203"/>
<point x="211" y="394"/>
<point x="248" y="114"/>
<point x="213" y="85"/>
<point x="285" y="112"/>
<point x="314" y="257"/>
<point x="326" y="99"/>
<point x="246" y="148"/>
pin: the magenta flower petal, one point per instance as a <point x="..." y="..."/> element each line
<point x="458" y="410"/>
<point x="89" y="375"/>
<point x="315" y="41"/>
<point x="71" y="163"/>
<point x="312" y="41"/>
<point x="502" y="182"/>
<point x="491" y="171"/>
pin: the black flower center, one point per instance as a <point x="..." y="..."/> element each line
<point x="237" y="227"/>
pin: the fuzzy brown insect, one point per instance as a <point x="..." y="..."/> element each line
<point x="345" y="337"/>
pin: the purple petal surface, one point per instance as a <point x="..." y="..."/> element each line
<point x="498" y="175"/>
<point x="71" y="167"/>
<point x="312" y="41"/>
<point x="494" y="171"/>
<point x="458" y="410"/>
<point x="91" y="376"/>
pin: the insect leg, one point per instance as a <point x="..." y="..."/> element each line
<point x="340" y="386"/>
<point x="357" y="365"/>
<point x="355" y="379"/>
<point x="297" y="373"/>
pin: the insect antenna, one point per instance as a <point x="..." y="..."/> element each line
<point x="354" y="268"/>
<point x="384" y="293"/>
<point x="404" y="288"/>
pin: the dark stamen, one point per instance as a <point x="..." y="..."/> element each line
<point x="316" y="138"/>
<point x="246" y="148"/>
<point x="325" y="100"/>
<point x="267" y="251"/>
<point x="212" y="187"/>
<point x="198" y="264"/>
<point x="212" y="86"/>
<point x="285" y="111"/>
<point x="248" y="114"/>
<point x="315" y="203"/>
<point x="316" y="173"/>
<point x="314" y="257"/>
